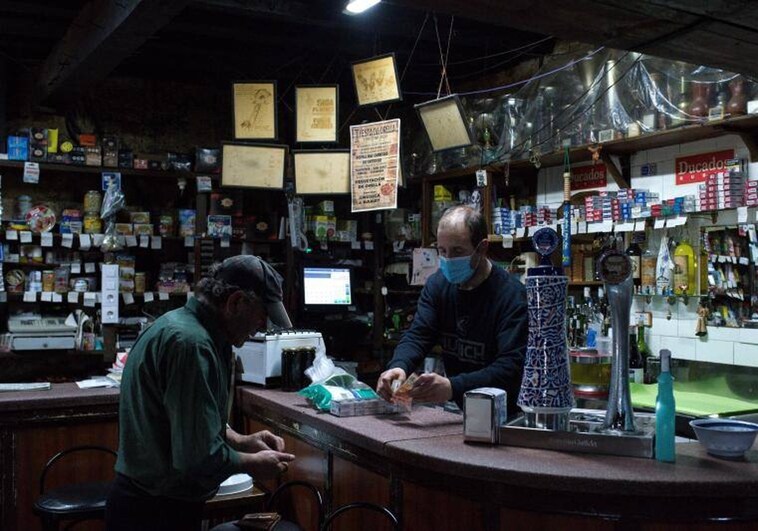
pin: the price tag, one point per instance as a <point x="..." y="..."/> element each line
<point x="639" y="225"/>
<point x="31" y="172"/>
<point x="57" y="297"/>
<point x="157" y="242"/>
<point x="744" y="260"/>
<point x="30" y="296"/>
<point x="189" y="241"/>
<point x="26" y="236"/>
<point x="46" y="296"/>
<point x="225" y="242"/>
<point x="131" y="241"/>
<point x="532" y="230"/>
<point x="713" y="258"/>
<point x="97" y="239"/>
<point x="76" y="268"/>
<point x="723" y="259"/>
<point x="11" y="235"/>
<point x="46" y="239"/>
<point x="742" y="214"/>
<point x="355" y="245"/>
<point x="128" y="298"/>
<point x="507" y="241"/>
<point x="481" y="178"/>
<point x="149" y="297"/>
<point x="520" y="232"/>
<point x="90" y="299"/>
<point x="162" y="296"/>
<point x="368" y="245"/>
<point x="89" y="267"/>
<point x="659" y="223"/>
<point x="85" y="242"/>
<point x="13" y="258"/>
<point x="67" y="240"/>
<point x="73" y="297"/>
<point x="144" y="241"/>
<point x="581" y="227"/>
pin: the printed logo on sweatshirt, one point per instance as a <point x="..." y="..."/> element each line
<point x="463" y="349"/>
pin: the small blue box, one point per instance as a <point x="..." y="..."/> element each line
<point x="18" y="148"/>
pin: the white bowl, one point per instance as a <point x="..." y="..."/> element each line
<point x="725" y="437"/>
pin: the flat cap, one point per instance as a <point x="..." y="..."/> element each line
<point x="251" y="273"/>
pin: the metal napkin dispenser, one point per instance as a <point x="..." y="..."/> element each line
<point x="484" y="411"/>
<point x="261" y="357"/>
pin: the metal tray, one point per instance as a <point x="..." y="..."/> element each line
<point x="585" y="435"/>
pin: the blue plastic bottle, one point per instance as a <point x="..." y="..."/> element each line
<point x="665" y="412"/>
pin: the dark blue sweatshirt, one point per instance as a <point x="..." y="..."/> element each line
<point x="482" y="332"/>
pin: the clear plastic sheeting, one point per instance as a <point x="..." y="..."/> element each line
<point x="600" y="96"/>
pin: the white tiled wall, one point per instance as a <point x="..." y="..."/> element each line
<point x="674" y="326"/>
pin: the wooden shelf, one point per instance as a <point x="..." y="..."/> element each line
<point x="744" y="126"/>
<point x="586" y="283"/>
<point x="125" y="172"/>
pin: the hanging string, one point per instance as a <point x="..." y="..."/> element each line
<point x="443" y="58"/>
<point x="408" y="62"/>
<point x="497" y="54"/>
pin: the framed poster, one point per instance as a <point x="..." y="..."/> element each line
<point x="374" y="165"/>
<point x="253" y="165"/>
<point x="322" y="172"/>
<point x="376" y="80"/>
<point x="254" y="110"/>
<point x="445" y="123"/>
<point x="316" y="113"/>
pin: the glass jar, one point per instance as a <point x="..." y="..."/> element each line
<point x="92" y="223"/>
<point x="93" y="200"/>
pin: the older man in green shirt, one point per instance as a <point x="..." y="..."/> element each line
<point x="175" y="447"/>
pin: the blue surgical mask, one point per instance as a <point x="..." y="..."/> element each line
<point x="457" y="270"/>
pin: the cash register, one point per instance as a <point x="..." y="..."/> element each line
<point x="33" y="331"/>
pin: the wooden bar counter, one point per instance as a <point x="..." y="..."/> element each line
<point x="35" y="425"/>
<point x="420" y="467"/>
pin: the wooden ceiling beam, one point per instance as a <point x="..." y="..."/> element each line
<point x="673" y="29"/>
<point x="102" y="35"/>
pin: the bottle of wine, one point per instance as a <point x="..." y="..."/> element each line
<point x="685" y="270"/>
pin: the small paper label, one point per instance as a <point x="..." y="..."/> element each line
<point x="157" y="242"/>
<point x="742" y="214"/>
<point x="97" y="239"/>
<point x="189" y="241"/>
<point x="481" y="178"/>
<point x="128" y="298"/>
<point x="744" y="260"/>
<point x="109" y="177"/>
<point x="11" y="235"/>
<point x="30" y="296"/>
<point x="73" y="297"/>
<point x="368" y="245"/>
<point x="57" y="297"/>
<point x="76" y="268"/>
<point x="204" y="183"/>
<point x="659" y="223"/>
<point x="46" y="296"/>
<point x="162" y="296"/>
<point x="190" y="295"/>
<point x="85" y="242"/>
<point x="144" y="241"/>
<point x="639" y="226"/>
<point x="508" y="241"/>
<point x="225" y="242"/>
<point x="46" y="239"/>
<point x="26" y="236"/>
<point x="90" y="299"/>
<point x="131" y="241"/>
<point x="89" y="267"/>
<point x="521" y="232"/>
<point x="67" y="240"/>
<point x="355" y="245"/>
<point x="581" y="227"/>
<point x="31" y="172"/>
<point x="149" y="297"/>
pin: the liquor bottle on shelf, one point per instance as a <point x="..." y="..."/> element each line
<point x="636" y="363"/>
<point x="634" y="251"/>
<point x="647" y="270"/>
<point x="682" y="105"/>
<point x="685" y="270"/>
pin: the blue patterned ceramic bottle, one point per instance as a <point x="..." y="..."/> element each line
<point x="546" y="396"/>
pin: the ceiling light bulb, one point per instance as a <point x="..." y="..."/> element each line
<point x="359" y="6"/>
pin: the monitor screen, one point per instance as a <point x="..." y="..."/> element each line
<point x="327" y="286"/>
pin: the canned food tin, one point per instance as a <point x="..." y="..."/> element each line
<point x="93" y="200"/>
<point x="81" y="285"/>
<point x="61" y="279"/>
<point x="93" y="224"/>
<point x="140" y="282"/>
<point x="48" y="280"/>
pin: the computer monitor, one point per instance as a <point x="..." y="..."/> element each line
<point x="326" y="287"/>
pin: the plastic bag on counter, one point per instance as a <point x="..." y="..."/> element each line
<point x="322" y="396"/>
<point x="323" y="368"/>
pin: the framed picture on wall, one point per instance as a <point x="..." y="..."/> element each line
<point x="316" y="113"/>
<point x="376" y="80"/>
<point x="254" y="110"/>
<point x="322" y="172"/>
<point x="248" y="165"/>
<point x="445" y="123"/>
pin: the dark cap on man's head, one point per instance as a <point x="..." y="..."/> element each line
<point x="251" y="273"/>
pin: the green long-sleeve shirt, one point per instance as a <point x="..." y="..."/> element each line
<point x="173" y="407"/>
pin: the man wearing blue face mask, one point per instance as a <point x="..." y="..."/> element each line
<point x="474" y="310"/>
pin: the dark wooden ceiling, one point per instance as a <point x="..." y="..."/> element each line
<point x="74" y="44"/>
